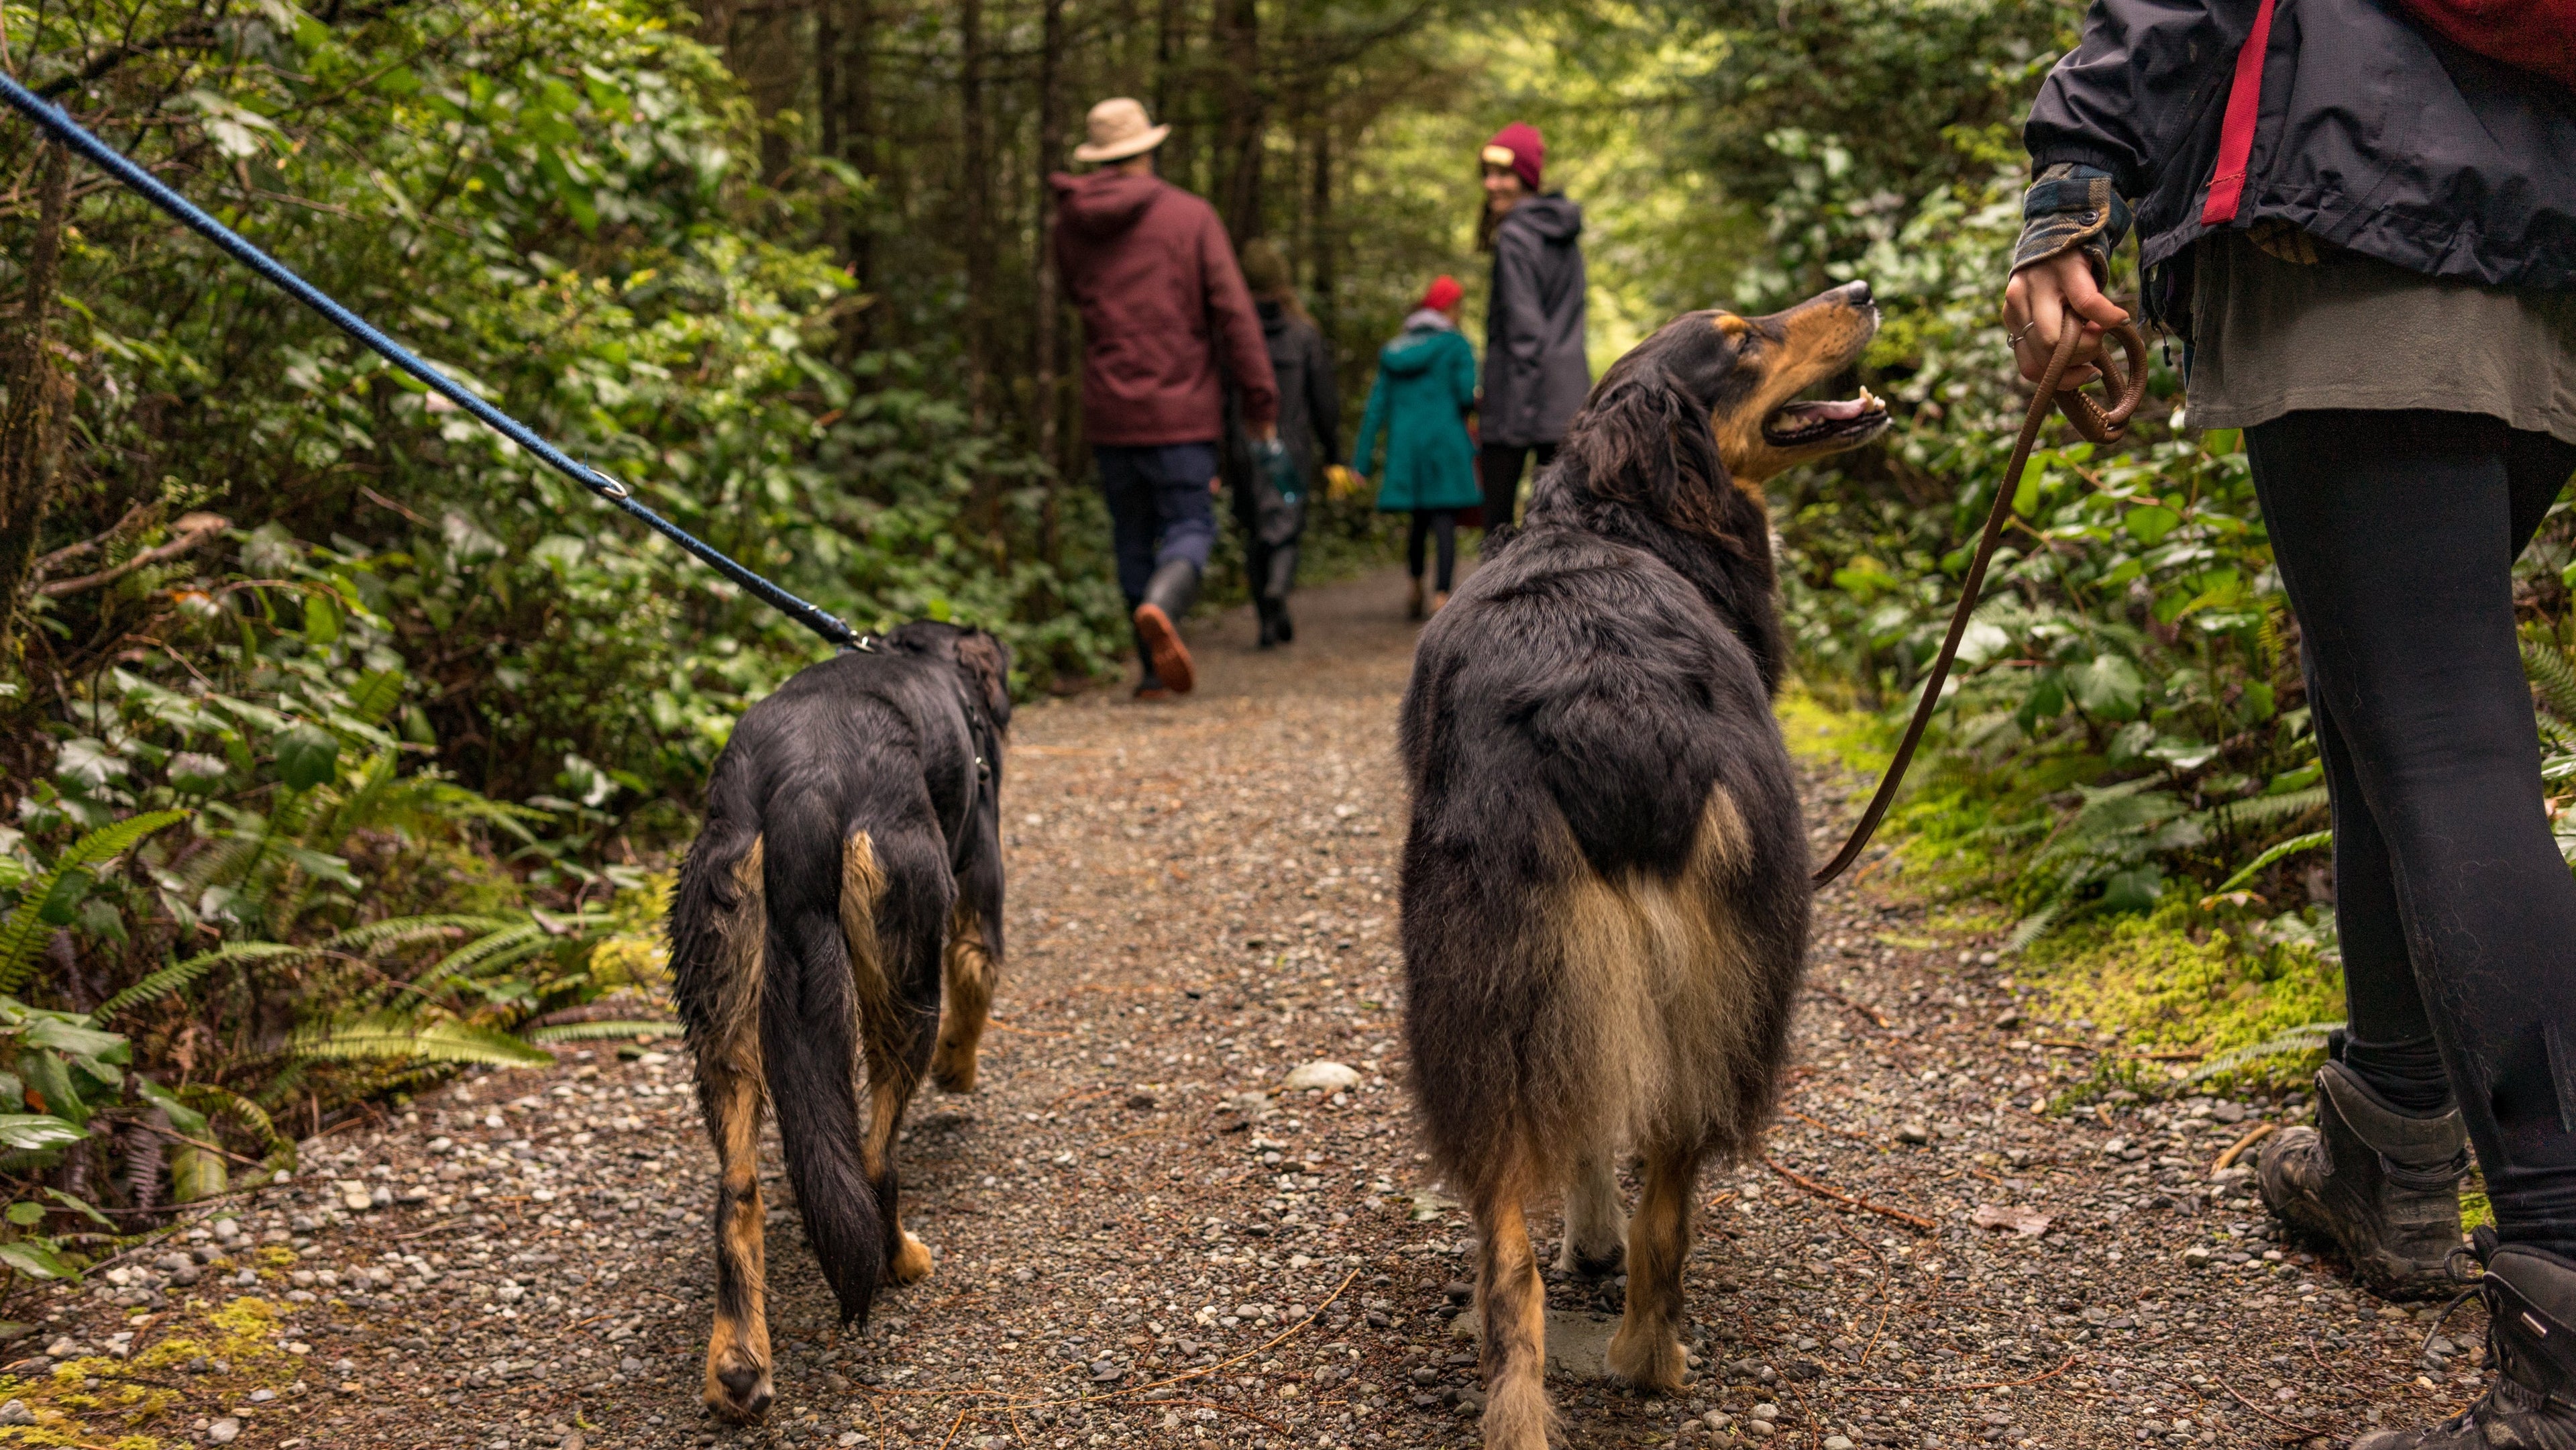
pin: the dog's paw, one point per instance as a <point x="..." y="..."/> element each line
<point x="911" y="1260"/>
<point x="1592" y="1261"/>
<point x="953" y="1069"/>
<point x="1649" y="1359"/>
<point x="738" y="1386"/>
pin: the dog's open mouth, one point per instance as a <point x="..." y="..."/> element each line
<point x="1797" y="424"/>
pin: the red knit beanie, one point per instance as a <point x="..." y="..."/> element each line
<point x="1443" y="294"/>
<point x="1520" y="147"/>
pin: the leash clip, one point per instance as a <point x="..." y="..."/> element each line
<point x="609" y="488"/>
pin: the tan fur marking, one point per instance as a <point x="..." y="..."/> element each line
<point x="1513" y="1303"/>
<point x="911" y="1259"/>
<point x="862" y="889"/>
<point x="1647" y="1350"/>
<point x="1653" y="978"/>
<point x="1731" y="325"/>
<point x="1594" y="1225"/>
<point x="735" y="1042"/>
<point x="969" y="970"/>
<point x="1821" y="337"/>
<point x="730" y="1090"/>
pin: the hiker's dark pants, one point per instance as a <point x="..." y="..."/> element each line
<point x="1429" y="525"/>
<point x="2395" y="534"/>
<point x="1158" y="508"/>
<point x="1498" y="468"/>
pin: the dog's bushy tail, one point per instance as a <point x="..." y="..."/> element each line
<point x="812" y="1035"/>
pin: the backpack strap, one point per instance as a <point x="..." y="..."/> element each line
<point x="2236" y="131"/>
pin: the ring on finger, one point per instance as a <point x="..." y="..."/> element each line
<point x="2013" y="339"/>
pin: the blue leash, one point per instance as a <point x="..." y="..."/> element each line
<point x="69" y="132"/>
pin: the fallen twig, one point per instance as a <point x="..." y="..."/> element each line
<point x="1830" y="1128"/>
<point x="2065" y="1365"/>
<point x="2228" y="1158"/>
<point x="1838" y="1196"/>
<point x="2304" y="1432"/>
<point x="1872" y="1013"/>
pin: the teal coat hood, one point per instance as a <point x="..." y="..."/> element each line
<point x="1426" y="382"/>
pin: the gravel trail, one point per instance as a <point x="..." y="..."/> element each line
<point x="1144" y="1238"/>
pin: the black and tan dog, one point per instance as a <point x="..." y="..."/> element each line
<point x="1605" y="885"/>
<point x="851" y="861"/>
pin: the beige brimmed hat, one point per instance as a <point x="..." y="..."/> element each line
<point x="1119" y="128"/>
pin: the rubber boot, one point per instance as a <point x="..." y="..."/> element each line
<point x="1413" y="600"/>
<point x="1149" y="685"/>
<point x="1283" y="577"/>
<point x="1268" y="613"/>
<point x="2383" y="1186"/>
<point x="2530" y="1295"/>
<point x="1168" y="596"/>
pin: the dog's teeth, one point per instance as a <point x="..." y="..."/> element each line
<point x="1869" y="399"/>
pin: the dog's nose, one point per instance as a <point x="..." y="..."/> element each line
<point x="1855" y="293"/>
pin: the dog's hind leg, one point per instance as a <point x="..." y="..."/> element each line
<point x="1594" y="1226"/>
<point x="1647" y="1350"/>
<point x="729" y="1093"/>
<point x="892" y="914"/>
<point x="968" y="969"/>
<point x="1513" y="1302"/>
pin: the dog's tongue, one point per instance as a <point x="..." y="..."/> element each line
<point x="1841" y="410"/>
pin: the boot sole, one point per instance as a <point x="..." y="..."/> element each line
<point x="1163" y="641"/>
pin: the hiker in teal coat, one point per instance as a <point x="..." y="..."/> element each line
<point x="1426" y="384"/>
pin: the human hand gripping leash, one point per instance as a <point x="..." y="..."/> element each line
<point x="2093" y="421"/>
<point x="68" y="132"/>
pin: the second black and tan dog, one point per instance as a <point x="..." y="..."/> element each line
<point x="1605" y="895"/>
<point x="849" y="875"/>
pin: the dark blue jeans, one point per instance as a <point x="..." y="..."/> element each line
<point x="1158" y="507"/>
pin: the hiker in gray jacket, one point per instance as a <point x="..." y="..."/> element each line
<point x="1536" y="370"/>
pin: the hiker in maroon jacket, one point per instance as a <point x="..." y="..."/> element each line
<point x="1155" y="277"/>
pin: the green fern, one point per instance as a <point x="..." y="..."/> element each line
<point x="401" y="1037"/>
<point x="177" y="975"/>
<point x="2553" y="674"/>
<point x="2290" y="847"/>
<point x="574" y="1031"/>
<point x="2306" y="1037"/>
<point x="2235" y="817"/>
<point x="25" y="932"/>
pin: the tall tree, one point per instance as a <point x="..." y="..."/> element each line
<point x="31" y="421"/>
<point x="1242" y="118"/>
<point x="975" y="184"/>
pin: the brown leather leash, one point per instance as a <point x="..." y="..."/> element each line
<point x="2092" y="420"/>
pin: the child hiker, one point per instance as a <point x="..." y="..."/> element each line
<point x="1426" y="384"/>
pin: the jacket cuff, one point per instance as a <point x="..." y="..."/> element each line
<point x="2071" y="207"/>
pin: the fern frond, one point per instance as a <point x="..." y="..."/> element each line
<point x="2032" y="927"/>
<point x="2553" y="674"/>
<point x="480" y="951"/>
<point x="573" y="1031"/>
<point x="2264" y="810"/>
<point x="399" y="930"/>
<point x="26" y="927"/>
<point x="2290" y="847"/>
<point x="223" y="1102"/>
<point x="2305" y="1037"/>
<point x="402" y="1037"/>
<point x="179" y="974"/>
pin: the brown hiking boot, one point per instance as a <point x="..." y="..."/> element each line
<point x="2384" y="1187"/>
<point x="1158" y="624"/>
<point x="2531" y="1343"/>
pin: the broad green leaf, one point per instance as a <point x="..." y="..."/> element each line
<point x="74" y="1038"/>
<point x="37" y="1130"/>
<point x="321" y="620"/>
<point x="26" y="1215"/>
<point x="2109" y="687"/>
<point x="307" y="756"/>
<point x="2151" y="523"/>
<point x="37" y="1259"/>
<point x="375" y="695"/>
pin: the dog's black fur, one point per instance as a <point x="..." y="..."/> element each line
<point x="851" y="857"/>
<point x="1605" y="895"/>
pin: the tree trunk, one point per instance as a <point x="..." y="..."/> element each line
<point x="1043" y="334"/>
<point x="853" y="124"/>
<point x="1242" y="119"/>
<point x="1326" y="277"/>
<point x="765" y="47"/>
<point x="975" y="184"/>
<point x="31" y="422"/>
<point x="1171" y="83"/>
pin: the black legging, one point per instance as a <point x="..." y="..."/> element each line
<point x="1498" y="468"/>
<point x="1426" y="522"/>
<point x="2395" y="534"/>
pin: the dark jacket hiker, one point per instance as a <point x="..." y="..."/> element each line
<point x="1310" y="432"/>
<point x="1536" y="371"/>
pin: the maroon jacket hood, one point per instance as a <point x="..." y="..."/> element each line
<point x="1103" y="203"/>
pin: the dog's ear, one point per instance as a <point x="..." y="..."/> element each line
<point x="1645" y="442"/>
<point x="986" y="663"/>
